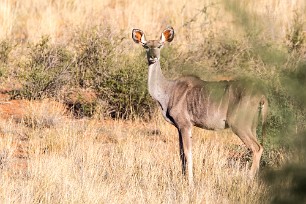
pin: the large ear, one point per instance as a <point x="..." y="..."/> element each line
<point x="138" y="36"/>
<point x="167" y="35"/>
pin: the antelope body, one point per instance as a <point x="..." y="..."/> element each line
<point x="189" y="101"/>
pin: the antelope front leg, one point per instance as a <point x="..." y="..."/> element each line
<point x="186" y="152"/>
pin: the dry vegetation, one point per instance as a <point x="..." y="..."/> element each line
<point x="63" y="160"/>
<point x="47" y="155"/>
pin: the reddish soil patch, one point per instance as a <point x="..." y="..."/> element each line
<point x="14" y="109"/>
<point x="78" y="95"/>
<point x="11" y="108"/>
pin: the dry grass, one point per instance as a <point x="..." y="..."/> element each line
<point x="278" y="15"/>
<point x="29" y="20"/>
<point x="91" y="161"/>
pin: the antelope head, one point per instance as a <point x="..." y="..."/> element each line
<point x="153" y="47"/>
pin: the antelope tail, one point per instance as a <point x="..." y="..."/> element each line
<point x="263" y="108"/>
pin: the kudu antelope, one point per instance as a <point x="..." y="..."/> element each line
<point x="188" y="101"/>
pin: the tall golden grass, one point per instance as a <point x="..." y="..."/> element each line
<point x="91" y="161"/>
<point x="29" y="19"/>
<point x="278" y="15"/>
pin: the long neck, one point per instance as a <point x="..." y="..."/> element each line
<point x="159" y="87"/>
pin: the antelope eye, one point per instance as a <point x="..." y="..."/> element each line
<point x="145" y="46"/>
<point x="160" y="46"/>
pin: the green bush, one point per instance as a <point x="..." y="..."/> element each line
<point x="5" y="49"/>
<point x="45" y="71"/>
<point x="96" y="55"/>
<point x="126" y="90"/>
<point x="118" y="78"/>
<point x="91" y="60"/>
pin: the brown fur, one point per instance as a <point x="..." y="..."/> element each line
<point x="189" y="101"/>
